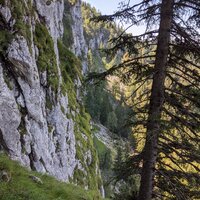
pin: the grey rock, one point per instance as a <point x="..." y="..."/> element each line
<point x="5" y="13"/>
<point x="5" y="176"/>
<point x="53" y="15"/>
<point x="10" y="118"/>
<point x="88" y="157"/>
<point x="36" y="179"/>
<point x="79" y="47"/>
<point x="40" y="138"/>
<point x="23" y="63"/>
<point x="105" y="136"/>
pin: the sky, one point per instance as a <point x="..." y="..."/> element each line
<point x="105" y="6"/>
<point x="109" y="6"/>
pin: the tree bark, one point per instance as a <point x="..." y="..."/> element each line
<point x="156" y="102"/>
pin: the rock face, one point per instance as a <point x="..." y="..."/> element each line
<point x="39" y="124"/>
<point x="79" y="45"/>
<point x="105" y="136"/>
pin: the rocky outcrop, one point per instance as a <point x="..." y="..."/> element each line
<point x="39" y="124"/>
<point x="5" y="13"/>
<point x="10" y="118"/>
<point x="79" y="44"/>
<point x="52" y="13"/>
<point x="105" y="136"/>
<point x="109" y="139"/>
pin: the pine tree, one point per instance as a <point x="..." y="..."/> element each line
<point x="156" y="102"/>
<point x="164" y="64"/>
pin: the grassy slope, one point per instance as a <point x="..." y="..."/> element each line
<point x="22" y="187"/>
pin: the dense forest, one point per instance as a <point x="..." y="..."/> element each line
<point x="163" y="64"/>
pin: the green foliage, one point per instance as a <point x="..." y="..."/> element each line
<point x="50" y="128"/>
<point x="63" y="109"/>
<point x="67" y="24"/>
<point x="100" y="103"/>
<point x="22" y="187"/>
<point x="71" y="72"/>
<point x="19" y="10"/>
<point x="104" y="155"/>
<point x="112" y="121"/>
<point x="24" y="29"/>
<point x="91" y="28"/>
<point x="166" y="111"/>
<point x="5" y="38"/>
<point x="93" y="100"/>
<point x="94" y="60"/>
<point x="70" y="67"/>
<point x="105" y="163"/>
<point x="129" y="189"/>
<point x="47" y="58"/>
<point x="45" y="44"/>
<point x="104" y="108"/>
<point x="128" y="185"/>
<point x="124" y="115"/>
<point x="22" y="128"/>
<point x="21" y="27"/>
<point x="49" y="103"/>
<point x="84" y="143"/>
<point x="70" y="64"/>
<point x="7" y="78"/>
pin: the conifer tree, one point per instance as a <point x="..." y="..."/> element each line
<point x="164" y="64"/>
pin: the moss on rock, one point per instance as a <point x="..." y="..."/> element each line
<point x="22" y="13"/>
<point x="5" y="38"/>
<point x="47" y="58"/>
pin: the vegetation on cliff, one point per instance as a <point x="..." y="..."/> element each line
<point x="20" y="184"/>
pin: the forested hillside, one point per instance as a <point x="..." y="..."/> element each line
<point x="105" y="99"/>
<point x="163" y="65"/>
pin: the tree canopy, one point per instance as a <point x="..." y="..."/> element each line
<point x="163" y="64"/>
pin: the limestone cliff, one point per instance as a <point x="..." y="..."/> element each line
<point x="42" y="121"/>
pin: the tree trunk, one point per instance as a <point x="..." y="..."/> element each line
<point x="156" y="102"/>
